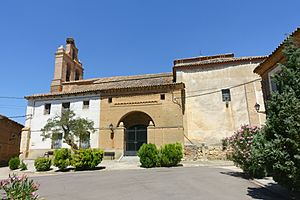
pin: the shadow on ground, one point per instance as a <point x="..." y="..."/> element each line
<point x="71" y="169"/>
<point x="269" y="192"/>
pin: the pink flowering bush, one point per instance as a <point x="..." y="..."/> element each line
<point x="247" y="145"/>
<point x="18" y="188"/>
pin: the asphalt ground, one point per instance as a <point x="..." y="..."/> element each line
<point x="158" y="183"/>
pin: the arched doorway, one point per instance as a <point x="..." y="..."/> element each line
<point x="135" y="136"/>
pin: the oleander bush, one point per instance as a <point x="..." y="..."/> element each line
<point x="42" y="164"/>
<point x="171" y="155"/>
<point x="86" y="158"/>
<point x="148" y="154"/>
<point x="62" y="158"/>
<point x="14" y="163"/>
<point x="247" y="145"/>
<point x="19" y="188"/>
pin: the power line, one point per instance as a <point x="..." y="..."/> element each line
<point x="20" y="98"/>
<point x="19" y="116"/>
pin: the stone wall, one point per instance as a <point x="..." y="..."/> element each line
<point x="202" y="152"/>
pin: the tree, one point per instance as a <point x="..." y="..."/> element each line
<point x="282" y="130"/>
<point x="69" y="127"/>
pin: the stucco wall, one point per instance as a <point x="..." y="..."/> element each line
<point x="207" y="118"/>
<point x="39" y="119"/>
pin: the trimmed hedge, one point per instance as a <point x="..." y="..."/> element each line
<point x="171" y="155"/>
<point x="42" y="164"/>
<point x="14" y="163"/>
<point x="62" y="158"/>
<point x="86" y="158"/>
<point x="168" y="156"/>
<point x="148" y="154"/>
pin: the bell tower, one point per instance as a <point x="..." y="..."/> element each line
<point x="67" y="66"/>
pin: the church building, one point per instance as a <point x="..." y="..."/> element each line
<point x="202" y="100"/>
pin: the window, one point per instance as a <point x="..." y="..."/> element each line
<point x="109" y="99"/>
<point x="66" y="106"/>
<point x="162" y="97"/>
<point x="77" y="75"/>
<point x="226" y="95"/>
<point x="272" y="84"/>
<point x="86" y="104"/>
<point x="56" y="141"/>
<point x="47" y="109"/>
<point x="68" y="73"/>
<point x="85" y="142"/>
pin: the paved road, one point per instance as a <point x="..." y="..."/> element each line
<point x="160" y="183"/>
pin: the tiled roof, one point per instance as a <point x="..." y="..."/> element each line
<point x="113" y="83"/>
<point x="2" y="117"/>
<point x="218" y="59"/>
<point x="261" y="68"/>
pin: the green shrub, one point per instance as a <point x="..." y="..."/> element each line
<point x="14" y="163"/>
<point x="283" y="120"/>
<point x="42" y="164"/>
<point x="18" y="188"/>
<point x="86" y="158"/>
<point x="23" y="166"/>
<point x="171" y="155"/>
<point x="148" y="154"/>
<point x="62" y="158"/>
<point x="247" y="145"/>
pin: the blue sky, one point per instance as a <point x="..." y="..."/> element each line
<point x="129" y="37"/>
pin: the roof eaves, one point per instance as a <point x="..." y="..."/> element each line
<point x="97" y="91"/>
<point x="258" y="69"/>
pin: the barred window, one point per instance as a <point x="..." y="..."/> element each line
<point x="86" y="104"/>
<point x="47" y="109"/>
<point x="56" y="141"/>
<point x="226" y="95"/>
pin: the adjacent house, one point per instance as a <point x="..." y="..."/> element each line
<point x="10" y="137"/>
<point x="203" y="100"/>
<point x="269" y="67"/>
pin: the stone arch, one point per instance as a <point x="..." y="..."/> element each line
<point x="135" y="133"/>
<point x="136" y="118"/>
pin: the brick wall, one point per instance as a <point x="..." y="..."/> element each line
<point x="10" y="136"/>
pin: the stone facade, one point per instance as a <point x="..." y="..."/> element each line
<point x="10" y="137"/>
<point x="163" y="117"/>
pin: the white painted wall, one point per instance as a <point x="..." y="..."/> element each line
<point x="38" y="119"/>
<point x="207" y="119"/>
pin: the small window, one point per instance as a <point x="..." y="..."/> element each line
<point x="162" y="97"/>
<point x="47" y="109"/>
<point x="77" y="75"/>
<point x="271" y="76"/>
<point x="85" y="142"/>
<point x="66" y="105"/>
<point x="56" y="141"/>
<point x="68" y="73"/>
<point x="86" y="104"/>
<point x="226" y="95"/>
<point x="109" y="99"/>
